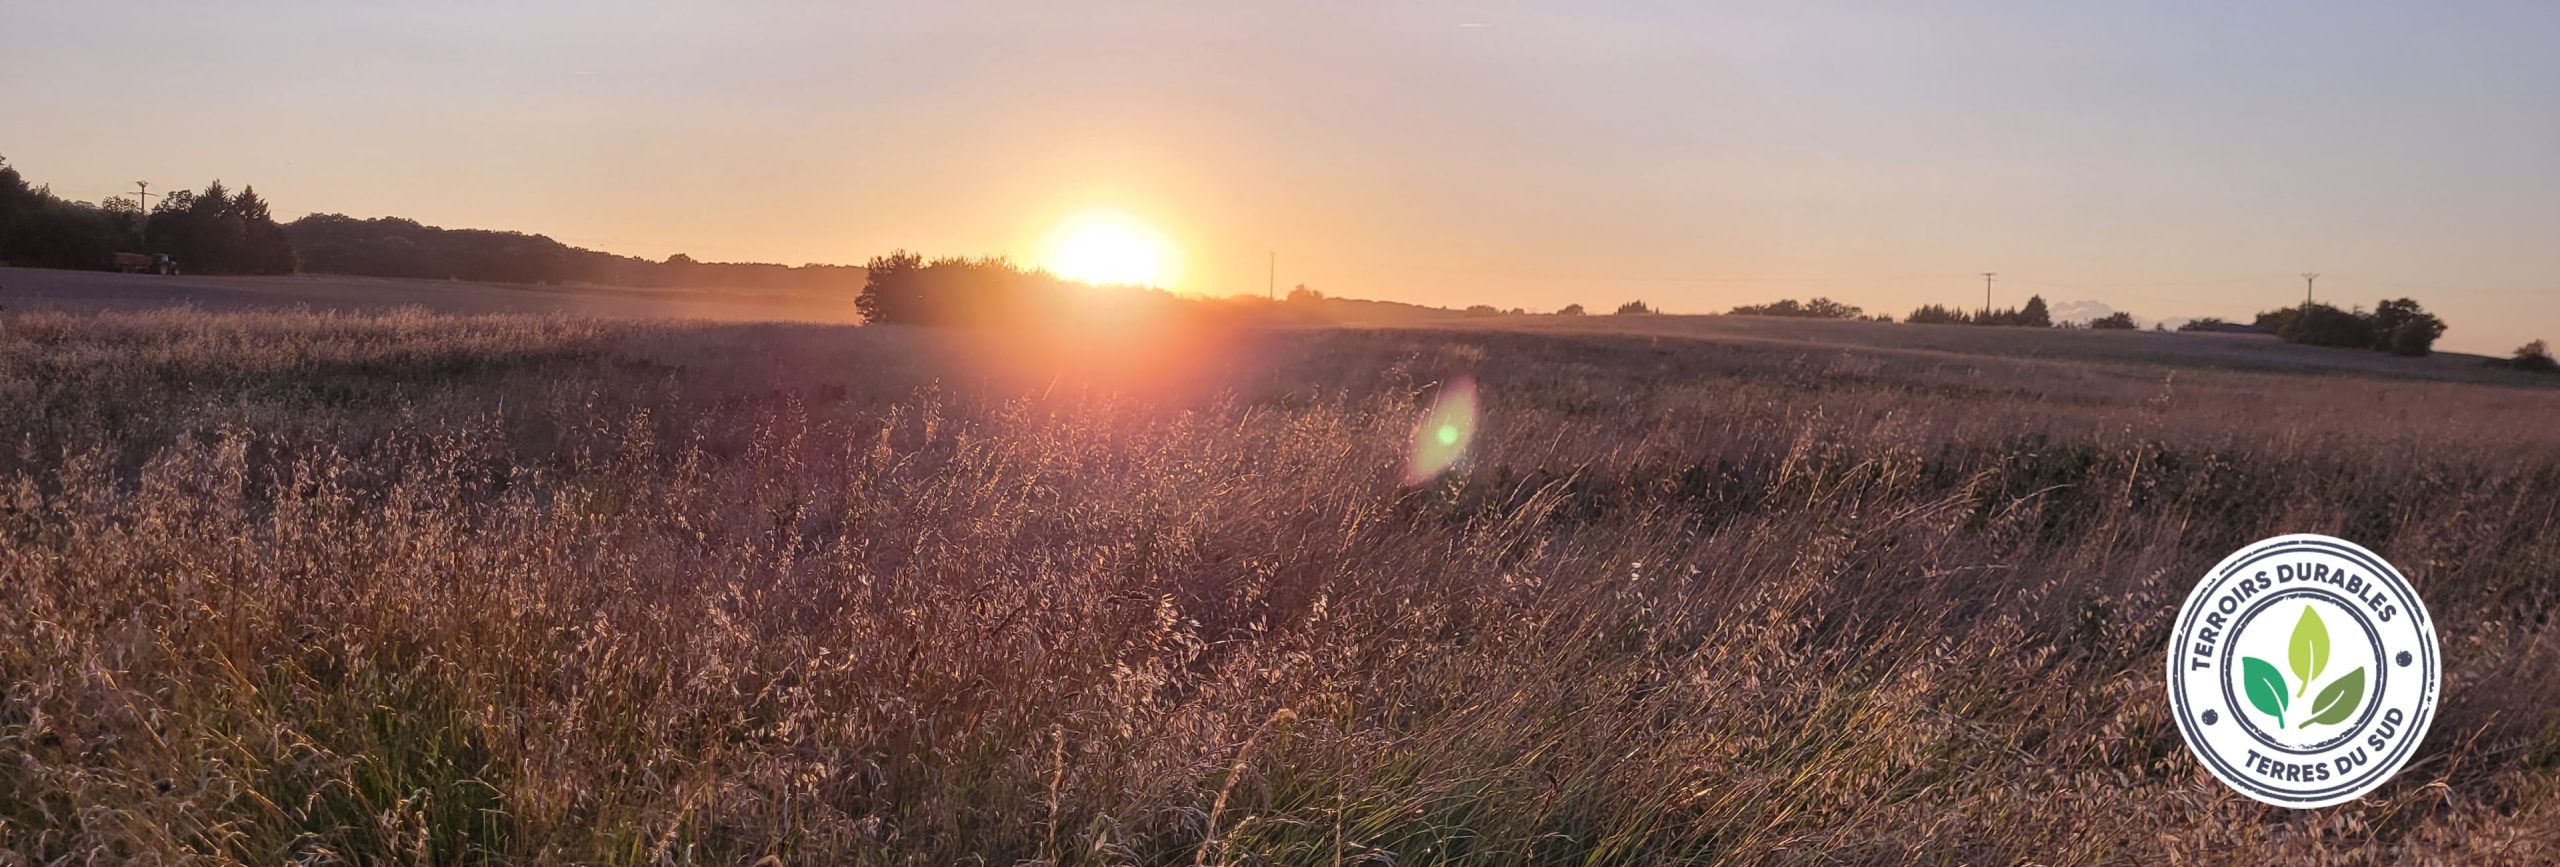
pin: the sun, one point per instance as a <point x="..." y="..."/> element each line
<point x="1109" y="248"/>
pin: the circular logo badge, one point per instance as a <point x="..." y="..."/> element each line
<point x="2303" y="671"/>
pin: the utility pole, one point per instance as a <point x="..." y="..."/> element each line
<point x="1271" y="278"/>
<point x="144" y="199"/>
<point x="1986" y="292"/>
<point x="2308" y="278"/>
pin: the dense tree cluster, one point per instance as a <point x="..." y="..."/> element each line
<point x="214" y="231"/>
<point x="219" y="232"/>
<point x="42" y="230"/>
<point x="905" y="288"/>
<point x="394" y="247"/>
<point x="2033" y="315"/>
<point x="2117" y="321"/>
<point x="1634" y="308"/>
<point x="2397" y="326"/>
<point x="1818" y="308"/>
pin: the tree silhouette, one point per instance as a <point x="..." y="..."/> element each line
<point x="2406" y="329"/>
<point x="2034" y="315"/>
<point x="2536" y="357"/>
<point x="216" y="231"/>
<point x="1818" y="308"/>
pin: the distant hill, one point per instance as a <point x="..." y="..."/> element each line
<point x="395" y="247"/>
<point x="1361" y="311"/>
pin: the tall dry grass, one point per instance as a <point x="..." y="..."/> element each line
<point x="413" y="589"/>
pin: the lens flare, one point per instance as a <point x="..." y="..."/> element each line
<point x="1442" y="437"/>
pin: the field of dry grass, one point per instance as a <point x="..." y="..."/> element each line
<point x="33" y="289"/>
<point x="289" y="587"/>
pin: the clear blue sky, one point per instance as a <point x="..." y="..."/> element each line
<point x="2172" y="159"/>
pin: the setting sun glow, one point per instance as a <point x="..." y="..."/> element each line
<point x="1110" y="249"/>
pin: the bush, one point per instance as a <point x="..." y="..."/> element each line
<point x="1634" y="308"/>
<point x="2409" y="329"/>
<point x="2398" y="326"/>
<point x="2117" y="321"/>
<point x="1570" y="310"/>
<point x="902" y="288"/>
<point x="2323" y="325"/>
<point x="2536" y="357"/>
<point x="1938" y="315"/>
<point x="2414" y="338"/>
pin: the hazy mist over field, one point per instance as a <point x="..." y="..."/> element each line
<point x="2175" y="160"/>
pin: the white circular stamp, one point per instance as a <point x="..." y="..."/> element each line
<point x="2303" y="671"/>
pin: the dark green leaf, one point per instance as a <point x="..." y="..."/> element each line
<point x="2338" y="700"/>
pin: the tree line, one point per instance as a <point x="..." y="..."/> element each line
<point x="209" y="231"/>
<point x="2033" y="314"/>
<point x="2399" y="326"/>
<point x="1818" y="308"/>
<point x="218" y="231"/>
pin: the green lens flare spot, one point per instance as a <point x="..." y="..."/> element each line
<point x="1444" y="434"/>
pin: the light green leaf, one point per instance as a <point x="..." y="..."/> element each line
<point x="2265" y="686"/>
<point x="2337" y="701"/>
<point x="2310" y="648"/>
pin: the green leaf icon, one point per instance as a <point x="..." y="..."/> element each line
<point x="2310" y="648"/>
<point x="2265" y="686"/>
<point x="2337" y="701"/>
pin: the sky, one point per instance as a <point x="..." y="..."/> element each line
<point x="2172" y="159"/>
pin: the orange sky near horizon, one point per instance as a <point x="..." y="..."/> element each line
<point x="2166" y="161"/>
